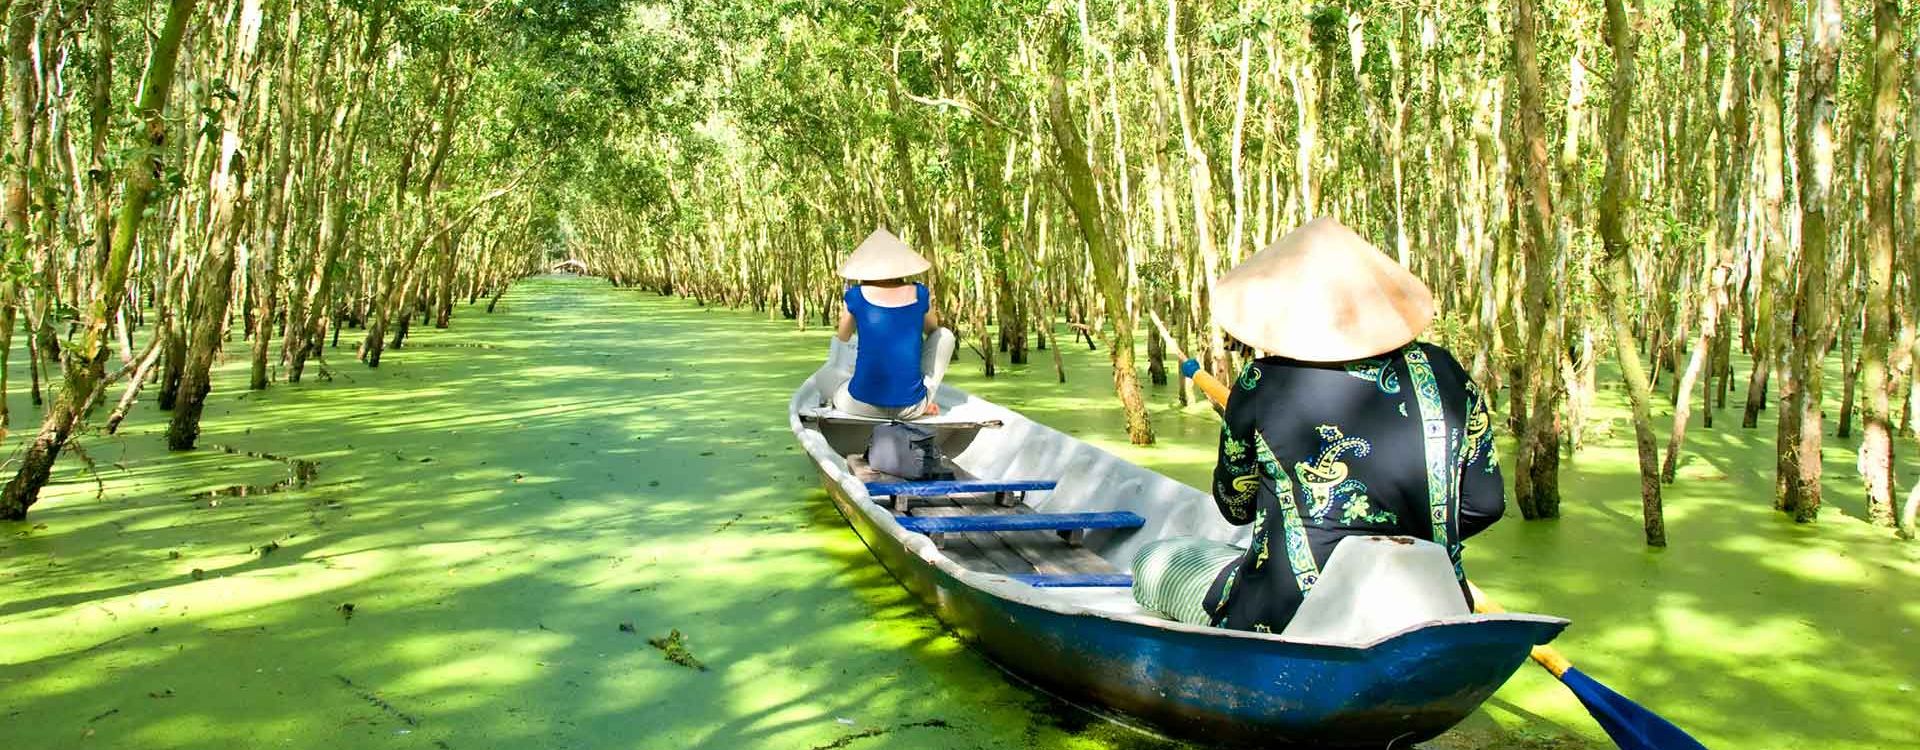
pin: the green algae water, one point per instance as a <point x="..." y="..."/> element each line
<point x="501" y="525"/>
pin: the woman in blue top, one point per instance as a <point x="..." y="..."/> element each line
<point x="903" y="351"/>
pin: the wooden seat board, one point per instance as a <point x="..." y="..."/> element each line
<point x="828" y="416"/>
<point x="1021" y="551"/>
<point x="987" y="557"/>
<point x="1050" y="554"/>
<point x="1011" y="552"/>
<point x="1043" y="551"/>
<point x="989" y="546"/>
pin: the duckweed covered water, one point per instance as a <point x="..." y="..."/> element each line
<point x="486" y="511"/>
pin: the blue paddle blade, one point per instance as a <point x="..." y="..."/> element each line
<point x="1630" y="725"/>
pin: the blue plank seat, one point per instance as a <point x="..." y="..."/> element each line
<point x="1006" y="492"/>
<point x="1071" y="526"/>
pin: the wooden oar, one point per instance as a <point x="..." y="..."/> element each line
<point x="1216" y="391"/>
<point x="1630" y="725"/>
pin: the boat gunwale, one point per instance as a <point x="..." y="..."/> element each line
<point x="827" y="461"/>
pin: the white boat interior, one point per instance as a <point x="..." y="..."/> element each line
<point x="983" y="441"/>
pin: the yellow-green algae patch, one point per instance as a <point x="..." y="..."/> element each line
<point x="498" y="500"/>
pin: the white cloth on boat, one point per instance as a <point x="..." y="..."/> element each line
<point x="839" y="367"/>
<point x="1371" y="587"/>
<point x="845" y="402"/>
<point x="1375" y="586"/>
<point x="840" y="353"/>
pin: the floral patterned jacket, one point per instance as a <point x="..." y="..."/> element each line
<point x="1312" y="453"/>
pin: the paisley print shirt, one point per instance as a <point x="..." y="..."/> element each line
<point x="1312" y="453"/>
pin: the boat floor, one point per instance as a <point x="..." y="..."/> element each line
<point x="1010" y="552"/>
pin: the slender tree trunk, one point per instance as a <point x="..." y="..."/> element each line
<point x="135" y="381"/>
<point x="1615" y="285"/>
<point x="400" y="332"/>
<point x="1767" y="328"/>
<point x="1306" y="158"/>
<point x="1540" y="441"/>
<point x="224" y="232"/>
<point x="1730" y="172"/>
<point x="1909" y="261"/>
<point x="100" y="173"/>
<point x="443" y="304"/>
<point x="909" y="183"/>
<point x="278" y="217"/>
<point x="33" y="366"/>
<point x="1876" y="445"/>
<point x="1156" y="354"/>
<point x="1085" y="203"/>
<point x="265" y="296"/>
<point x="1200" y="179"/>
<point x="1818" y="85"/>
<point x="1849" y="377"/>
<point x="15" y="203"/>
<point x="174" y="351"/>
<point x="307" y="319"/>
<point x="86" y="365"/>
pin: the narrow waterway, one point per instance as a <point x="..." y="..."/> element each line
<point x="501" y="530"/>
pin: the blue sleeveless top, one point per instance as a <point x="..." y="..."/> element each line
<point x="886" y="370"/>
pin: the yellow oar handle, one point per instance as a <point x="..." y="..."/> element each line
<point x="1216" y="391"/>
<point x="1546" y="656"/>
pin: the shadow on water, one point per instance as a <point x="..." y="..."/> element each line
<point x="1049" y="714"/>
<point x="489" y="517"/>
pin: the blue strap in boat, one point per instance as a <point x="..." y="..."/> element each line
<point x="1074" y="580"/>
<point x="1441" y="494"/>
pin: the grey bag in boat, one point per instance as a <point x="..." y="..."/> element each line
<point x="905" y="450"/>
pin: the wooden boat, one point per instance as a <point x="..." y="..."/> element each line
<point x="1025" y="555"/>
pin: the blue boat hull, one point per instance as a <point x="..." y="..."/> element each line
<point x="1220" y="687"/>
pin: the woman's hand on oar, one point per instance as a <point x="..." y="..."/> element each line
<point x="1216" y="391"/>
<point x="1630" y="725"/>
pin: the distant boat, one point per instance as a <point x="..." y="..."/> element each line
<point x="1025" y="553"/>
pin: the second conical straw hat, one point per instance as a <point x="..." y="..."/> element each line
<point x="1322" y="294"/>
<point x="882" y="256"/>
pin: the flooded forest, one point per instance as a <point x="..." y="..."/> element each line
<point x="320" y="318"/>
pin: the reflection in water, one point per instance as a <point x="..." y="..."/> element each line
<point x="300" y="473"/>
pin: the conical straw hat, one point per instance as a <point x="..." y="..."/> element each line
<point x="882" y="256"/>
<point x="1322" y="294"/>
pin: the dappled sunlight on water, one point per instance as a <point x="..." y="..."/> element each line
<point x="498" y="500"/>
<point x="494" y="514"/>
